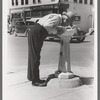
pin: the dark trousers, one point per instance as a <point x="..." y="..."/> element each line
<point x="36" y="36"/>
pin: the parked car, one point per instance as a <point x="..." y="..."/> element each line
<point x="78" y="35"/>
<point x="22" y="27"/>
<point x="10" y="29"/>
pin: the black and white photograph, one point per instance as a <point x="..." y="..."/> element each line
<point x="49" y="49"/>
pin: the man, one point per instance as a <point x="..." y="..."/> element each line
<point x="50" y="23"/>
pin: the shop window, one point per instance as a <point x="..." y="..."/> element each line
<point x="16" y="2"/>
<point x="36" y="14"/>
<point x="22" y="2"/>
<point x="26" y="1"/>
<point x="12" y="2"/>
<point x="75" y="1"/>
<point x="85" y="1"/>
<point x="16" y="15"/>
<point x="80" y="1"/>
<point x="34" y="1"/>
<point x="27" y="13"/>
<point x="66" y="0"/>
<point x="52" y="0"/>
<point x="91" y="2"/>
<point x="45" y="12"/>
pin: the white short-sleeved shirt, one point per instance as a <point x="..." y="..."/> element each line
<point x="50" y="22"/>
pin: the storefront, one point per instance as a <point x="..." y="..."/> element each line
<point x="37" y="11"/>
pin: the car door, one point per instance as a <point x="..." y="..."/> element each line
<point x="20" y="27"/>
<point x="29" y="24"/>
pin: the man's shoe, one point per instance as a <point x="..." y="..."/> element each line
<point x="39" y="84"/>
<point x="41" y="81"/>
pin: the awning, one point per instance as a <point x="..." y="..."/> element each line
<point x="16" y="11"/>
<point x="27" y="9"/>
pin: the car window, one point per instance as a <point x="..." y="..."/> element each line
<point x="29" y="23"/>
<point x="20" y="23"/>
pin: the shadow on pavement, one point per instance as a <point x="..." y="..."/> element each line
<point x="72" y="41"/>
<point x="85" y="80"/>
<point x="21" y="36"/>
<point x="52" y="40"/>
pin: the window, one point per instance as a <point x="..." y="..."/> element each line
<point x="91" y="2"/>
<point x="39" y="1"/>
<point x="27" y="13"/>
<point x="75" y="1"/>
<point x="29" y="23"/>
<point x="52" y="0"/>
<point x="45" y="12"/>
<point x="36" y="14"/>
<point x="20" y="23"/>
<point x="80" y="1"/>
<point x="22" y="2"/>
<point x="12" y="2"/>
<point x="26" y="1"/>
<point x="66" y="0"/>
<point x="16" y="2"/>
<point x="16" y="15"/>
<point x="85" y="1"/>
<point x="77" y="18"/>
<point x="34" y="1"/>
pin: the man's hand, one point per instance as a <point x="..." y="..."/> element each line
<point x="60" y="30"/>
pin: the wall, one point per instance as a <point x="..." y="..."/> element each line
<point x="85" y="11"/>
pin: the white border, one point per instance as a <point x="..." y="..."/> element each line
<point x="95" y="51"/>
<point x="4" y="47"/>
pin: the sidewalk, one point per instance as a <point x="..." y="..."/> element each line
<point x="19" y="88"/>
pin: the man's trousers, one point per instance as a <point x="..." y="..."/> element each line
<point x="36" y="36"/>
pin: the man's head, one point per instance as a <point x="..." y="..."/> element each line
<point x="67" y="18"/>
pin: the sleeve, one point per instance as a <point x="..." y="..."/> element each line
<point x="60" y="30"/>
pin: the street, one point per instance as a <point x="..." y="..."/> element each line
<point x="79" y="82"/>
<point x="82" y="54"/>
<point x="18" y="87"/>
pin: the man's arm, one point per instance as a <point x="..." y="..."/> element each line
<point x="60" y="30"/>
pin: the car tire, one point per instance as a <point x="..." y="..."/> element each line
<point x="81" y="39"/>
<point x="82" y="36"/>
<point x="15" y="34"/>
<point x="26" y="33"/>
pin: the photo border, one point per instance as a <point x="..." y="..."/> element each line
<point x="98" y="57"/>
<point x="1" y="50"/>
<point x="98" y="48"/>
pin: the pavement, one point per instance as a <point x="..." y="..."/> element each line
<point x="19" y="88"/>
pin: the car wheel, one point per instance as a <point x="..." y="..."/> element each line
<point x="15" y="33"/>
<point x="26" y="32"/>
<point x="81" y="39"/>
<point x="82" y="36"/>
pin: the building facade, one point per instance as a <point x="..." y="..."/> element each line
<point x="84" y="15"/>
<point x="26" y="9"/>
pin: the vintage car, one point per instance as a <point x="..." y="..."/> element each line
<point x="78" y="35"/>
<point x="10" y="29"/>
<point x="22" y="27"/>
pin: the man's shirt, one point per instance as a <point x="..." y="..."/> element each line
<point x="50" y="22"/>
